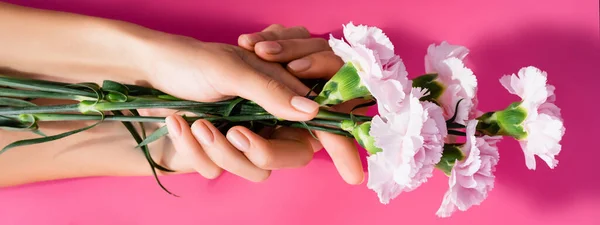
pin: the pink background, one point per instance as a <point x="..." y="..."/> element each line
<point x="561" y="37"/>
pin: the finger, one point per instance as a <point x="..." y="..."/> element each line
<point x="281" y="152"/>
<point x="275" y="71"/>
<point x="186" y="145"/>
<point x="320" y="65"/>
<point x="290" y="49"/>
<point x="247" y="41"/>
<point x="344" y="155"/>
<point x="220" y="151"/>
<point x="273" y="96"/>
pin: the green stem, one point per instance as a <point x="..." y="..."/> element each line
<point x="41" y="85"/>
<point x="329" y="115"/>
<point x="49" y="117"/>
<point x="15" y="93"/>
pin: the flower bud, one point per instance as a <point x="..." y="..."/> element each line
<point x="361" y="134"/>
<point x="345" y="85"/>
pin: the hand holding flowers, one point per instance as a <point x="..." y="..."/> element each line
<point x="425" y="123"/>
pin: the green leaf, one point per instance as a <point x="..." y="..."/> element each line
<point x="47" y="138"/>
<point x="93" y="87"/>
<point x="451" y="153"/>
<point x="117" y="91"/>
<point x="160" y="132"/>
<point x="15" y="93"/>
<point x="42" y="85"/>
<point x="232" y="105"/>
<point x="13" y="102"/>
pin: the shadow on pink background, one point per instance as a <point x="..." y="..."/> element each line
<point x="560" y="37"/>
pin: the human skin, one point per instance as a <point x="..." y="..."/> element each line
<point x="76" y="48"/>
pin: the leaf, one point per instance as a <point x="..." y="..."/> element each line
<point x="117" y="91"/>
<point x="309" y="130"/>
<point x="42" y="85"/>
<point x="160" y="132"/>
<point x="13" y="102"/>
<point x="14" y="124"/>
<point x="151" y="162"/>
<point x="47" y="138"/>
<point x="8" y="92"/>
<point x="231" y="106"/>
<point x="93" y="87"/>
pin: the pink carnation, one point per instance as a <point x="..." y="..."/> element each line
<point x="459" y="81"/>
<point x="412" y="141"/>
<point x="471" y="178"/>
<point x="543" y="123"/>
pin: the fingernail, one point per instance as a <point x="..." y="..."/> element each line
<point x="299" y="65"/>
<point x="173" y="126"/>
<point x="253" y="38"/>
<point x="238" y="140"/>
<point x="203" y="133"/>
<point x="304" y="104"/>
<point x="271" y="47"/>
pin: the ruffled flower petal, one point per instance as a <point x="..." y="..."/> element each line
<point x="412" y="140"/>
<point x="472" y="178"/>
<point x="543" y="123"/>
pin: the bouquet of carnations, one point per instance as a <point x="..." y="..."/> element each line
<point x="425" y="123"/>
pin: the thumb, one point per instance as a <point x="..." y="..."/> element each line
<point x="273" y="96"/>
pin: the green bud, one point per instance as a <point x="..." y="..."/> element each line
<point x="428" y="81"/>
<point x="345" y="85"/>
<point x="507" y="122"/>
<point x="451" y="153"/>
<point x="361" y="134"/>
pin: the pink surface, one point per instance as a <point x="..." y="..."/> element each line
<point x="561" y="37"/>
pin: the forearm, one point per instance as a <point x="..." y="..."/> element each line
<point x="106" y="150"/>
<point x="71" y="47"/>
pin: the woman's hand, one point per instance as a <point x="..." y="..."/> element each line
<point x="298" y="52"/>
<point x="211" y="72"/>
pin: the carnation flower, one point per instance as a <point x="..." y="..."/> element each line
<point x="542" y="128"/>
<point x="370" y="62"/>
<point x="411" y="142"/>
<point x="456" y="80"/>
<point x="471" y="178"/>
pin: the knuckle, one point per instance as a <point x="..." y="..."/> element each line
<point x="302" y="31"/>
<point x="274" y="85"/>
<point x="275" y="26"/>
<point x="265" y="160"/>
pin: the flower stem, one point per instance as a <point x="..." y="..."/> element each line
<point x="330" y="115"/>
<point x="48" y="117"/>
